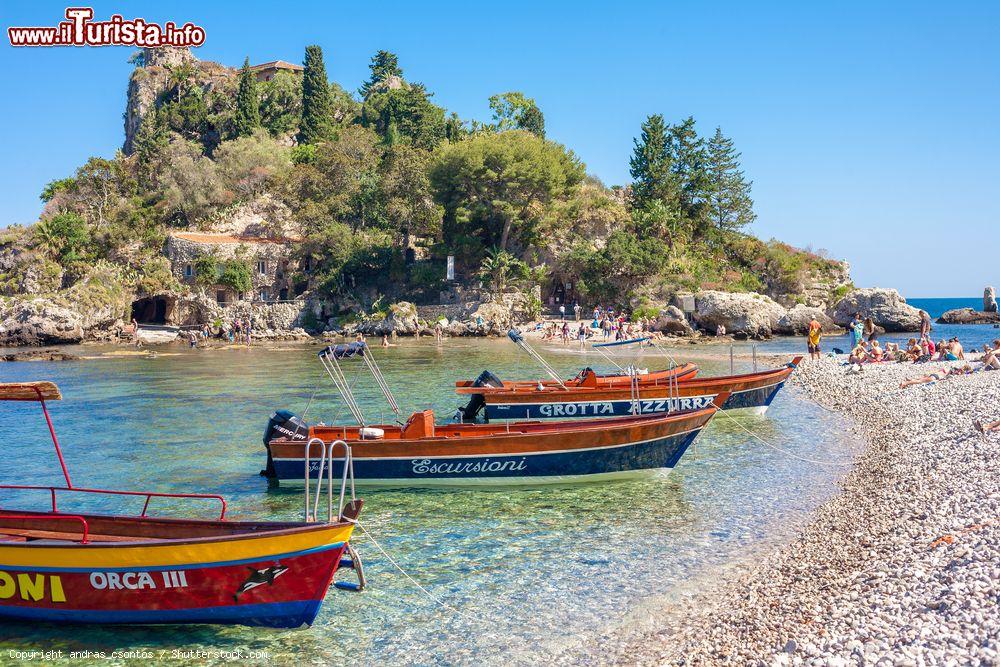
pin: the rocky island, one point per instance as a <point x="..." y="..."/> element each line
<point x="269" y="195"/>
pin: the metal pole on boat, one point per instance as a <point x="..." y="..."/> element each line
<point x="754" y="348"/>
<point x="55" y="440"/>
<point x="732" y="363"/>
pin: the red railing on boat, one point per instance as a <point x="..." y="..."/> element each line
<point x="61" y="517"/>
<point x="149" y="495"/>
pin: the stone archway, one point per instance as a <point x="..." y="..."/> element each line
<point x="153" y="310"/>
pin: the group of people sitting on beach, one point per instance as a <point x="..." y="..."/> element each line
<point x="916" y="351"/>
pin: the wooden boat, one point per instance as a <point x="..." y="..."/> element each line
<point x="750" y="391"/>
<point x="589" y="378"/>
<point x="422" y="453"/>
<point x="60" y="565"/>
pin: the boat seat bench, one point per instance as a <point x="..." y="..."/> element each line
<point x="11" y="535"/>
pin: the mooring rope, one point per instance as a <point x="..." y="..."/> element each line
<point x="783" y="451"/>
<point x="413" y="581"/>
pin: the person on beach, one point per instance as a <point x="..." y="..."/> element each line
<point x="438" y="331"/>
<point x="576" y="311"/>
<point x="869" y="329"/>
<point x="581" y="335"/>
<point x="876" y="353"/>
<point x="925" y="324"/>
<point x="385" y="341"/>
<point x="248" y="328"/>
<point x="857" y="328"/>
<point x="987" y="427"/>
<point x="562" y="312"/>
<point x="936" y="375"/>
<point x="720" y="331"/>
<point x="565" y="333"/>
<point x="957" y="349"/>
<point x="606" y="328"/>
<point x="135" y="332"/>
<point x="815" y="333"/>
<point x="859" y="354"/>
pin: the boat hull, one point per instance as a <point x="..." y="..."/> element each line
<point x="615" y="451"/>
<point x="271" y="581"/>
<point x="755" y="400"/>
<point x="752" y="392"/>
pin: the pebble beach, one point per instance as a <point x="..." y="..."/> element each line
<point x="901" y="568"/>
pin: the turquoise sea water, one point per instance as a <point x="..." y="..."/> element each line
<point x="534" y="572"/>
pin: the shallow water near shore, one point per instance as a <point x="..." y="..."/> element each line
<point x="530" y="571"/>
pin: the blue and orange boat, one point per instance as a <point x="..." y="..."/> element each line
<point x="422" y="453"/>
<point x="79" y="567"/>
<point x="640" y="393"/>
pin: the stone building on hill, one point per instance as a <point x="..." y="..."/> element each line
<point x="269" y="261"/>
<point x="266" y="71"/>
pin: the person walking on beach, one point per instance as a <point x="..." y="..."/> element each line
<point x="576" y="311"/>
<point x="135" y="332"/>
<point x="581" y="335"/>
<point x="815" y="333"/>
<point x="438" y="331"/>
<point x="562" y="312"/>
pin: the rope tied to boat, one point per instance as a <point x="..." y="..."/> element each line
<point x="730" y="419"/>
<point x="413" y="581"/>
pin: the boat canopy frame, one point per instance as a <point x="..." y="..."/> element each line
<point x="40" y="392"/>
<point x="330" y="357"/>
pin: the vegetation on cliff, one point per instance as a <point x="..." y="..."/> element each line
<point x="363" y="180"/>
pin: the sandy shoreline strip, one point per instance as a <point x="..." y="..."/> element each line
<point x="902" y="567"/>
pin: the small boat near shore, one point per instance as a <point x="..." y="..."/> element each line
<point x="639" y="395"/>
<point x="68" y="566"/>
<point x="422" y="453"/>
<point x="752" y="392"/>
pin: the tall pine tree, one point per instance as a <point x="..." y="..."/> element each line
<point x="384" y="64"/>
<point x="246" y="119"/>
<point x="687" y="157"/>
<point x="317" y="104"/>
<point x="730" y="206"/>
<point x="650" y="166"/>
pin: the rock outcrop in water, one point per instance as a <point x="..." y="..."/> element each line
<point x="968" y="316"/>
<point x="989" y="300"/>
<point x="38" y="321"/>
<point x="796" y="321"/>
<point x="887" y="308"/>
<point x="744" y="315"/>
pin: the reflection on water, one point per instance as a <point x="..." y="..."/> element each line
<point x="531" y="570"/>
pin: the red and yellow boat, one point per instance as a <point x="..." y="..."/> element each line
<point x="80" y="567"/>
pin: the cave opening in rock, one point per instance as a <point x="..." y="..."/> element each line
<point x="152" y="310"/>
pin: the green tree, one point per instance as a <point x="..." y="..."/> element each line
<point x="650" y="166"/>
<point x="246" y="120"/>
<point x="281" y="103"/>
<point x="405" y="113"/>
<point x="687" y="162"/>
<point x="729" y="203"/>
<point x="406" y="191"/>
<point x="249" y="166"/>
<point x="499" y="268"/>
<point x="66" y="236"/>
<point x="317" y="111"/>
<point x="514" y="111"/>
<point x="236" y="274"/>
<point x="53" y="188"/>
<point x="384" y="65"/>
<point x="498" y="186"/>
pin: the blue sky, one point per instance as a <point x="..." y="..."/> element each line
<point x="870" y="129"/>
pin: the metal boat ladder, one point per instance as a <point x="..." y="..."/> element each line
<point x="345" y="511"/>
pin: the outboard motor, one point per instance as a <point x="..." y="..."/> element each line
<point x="283" y="424"/>
<point x="476" y="403"/>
